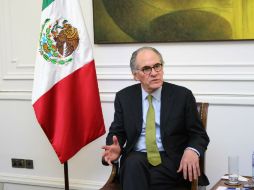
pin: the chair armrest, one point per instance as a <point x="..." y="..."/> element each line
<point x="103" y="161"/>
<point x="194" y="184"/>
<point x="113" y="181"/>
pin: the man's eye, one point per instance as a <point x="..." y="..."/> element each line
<point x="146" y="68"/>
<point x="158" y="65"/>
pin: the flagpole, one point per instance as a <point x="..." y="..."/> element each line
<point x="66" y="177"/>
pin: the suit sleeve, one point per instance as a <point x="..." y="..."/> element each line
<point x="117" y="126"/>
<point x="198" y="138"/>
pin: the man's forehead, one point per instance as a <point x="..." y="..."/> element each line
<point x="145" y="52"/>
<point x="146" y="55"/>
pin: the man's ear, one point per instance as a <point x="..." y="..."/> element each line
<point x="135" y="76"/>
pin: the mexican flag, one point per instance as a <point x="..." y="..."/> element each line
<point x="65" y="92"/>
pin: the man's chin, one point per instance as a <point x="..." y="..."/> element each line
<point x="157" y="83"/>
<point x="155" y="86"/>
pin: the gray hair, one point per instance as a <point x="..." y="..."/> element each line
<point x="133" y="63"/>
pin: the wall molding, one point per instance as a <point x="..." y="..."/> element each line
<point x="196" y="71"/>
<point x="182" y="76"/>
<point x="173" y="76"/>
<point x="48" y="182"/>
<point x="180" y="64"/>
<point x="15" y="95"/>
<point x="211" y="97"/>
<point x="215" y="98"/>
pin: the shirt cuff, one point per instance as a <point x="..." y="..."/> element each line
<point x="195" y="150"/>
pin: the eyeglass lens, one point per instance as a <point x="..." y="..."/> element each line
<point x="147" y="70"/>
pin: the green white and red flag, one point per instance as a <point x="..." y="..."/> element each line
<point x="65" y="92"/>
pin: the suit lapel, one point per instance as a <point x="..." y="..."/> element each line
<point x="167" y="102"/>
<point x="137" y="111"/>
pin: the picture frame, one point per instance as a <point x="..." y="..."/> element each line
<point x="150" y="21"/>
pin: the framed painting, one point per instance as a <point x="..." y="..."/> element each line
<point x="138" y="21"/>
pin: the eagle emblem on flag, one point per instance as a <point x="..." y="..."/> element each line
<point x="58" y="41"/>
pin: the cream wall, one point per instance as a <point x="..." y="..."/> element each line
<point x="221" y="73"/>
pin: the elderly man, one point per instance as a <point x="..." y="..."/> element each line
<point x="156" y="130"/>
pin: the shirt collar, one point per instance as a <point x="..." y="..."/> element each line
<point x="156" y="94"/>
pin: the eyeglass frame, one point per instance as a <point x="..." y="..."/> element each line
<point x="158" y="69"/>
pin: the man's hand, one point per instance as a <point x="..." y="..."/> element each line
<point x="189" y="165"/>
<point x="112" y="152"/>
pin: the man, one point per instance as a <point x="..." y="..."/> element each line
<point x="179" y="138"/>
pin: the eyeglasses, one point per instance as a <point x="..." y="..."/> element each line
<point x="147" y="69"/>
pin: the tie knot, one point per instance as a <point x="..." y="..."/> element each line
<point x="149" y="98"/>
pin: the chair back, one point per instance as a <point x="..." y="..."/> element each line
<point x="203" y="113"/>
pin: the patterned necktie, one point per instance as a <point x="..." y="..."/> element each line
<point x="153" y="154"/>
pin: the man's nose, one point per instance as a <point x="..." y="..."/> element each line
<point x="153" y="72"/>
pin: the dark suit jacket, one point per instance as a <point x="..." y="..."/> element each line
<point x="180" y="124"/>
